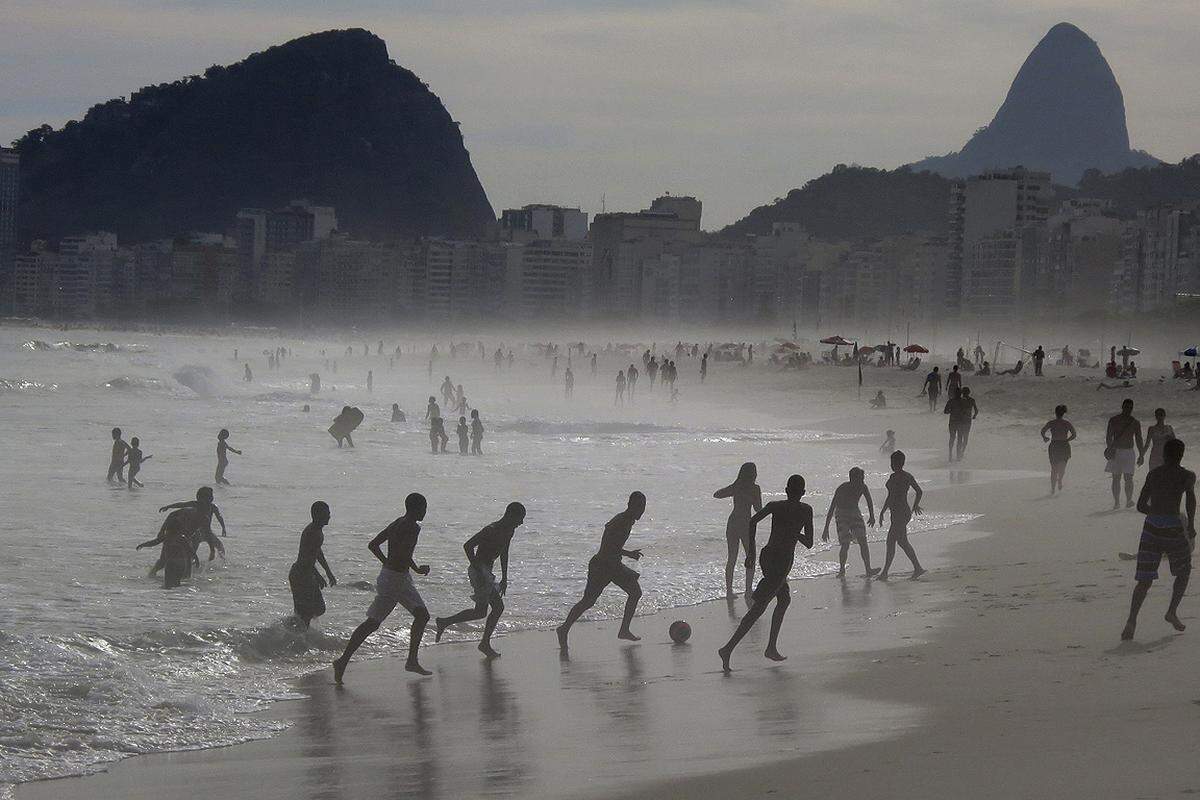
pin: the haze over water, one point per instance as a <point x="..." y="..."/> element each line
<point x="97" y="661"/>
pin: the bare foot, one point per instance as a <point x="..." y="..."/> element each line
<point x="1175" y="623"/>
<point x="339" y="669"/>
<point x="1129" y="503"/>
<point x="413" y="666"/>
<point x="918" y="572"/>
<point x="882" y="576"/>
<point x="774" y="654"/>
<point x="487" y="650"/>
<point x="562" y="638"/>
<point x="725" y="653"/>
<point x="871" y="573"/>
<point x="628" y="635"/>
<point x="1127" y="634"/>
<point x="441" y="628"/>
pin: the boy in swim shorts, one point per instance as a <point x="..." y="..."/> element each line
<point x="394" y="586"/>
<point x="850" y="526"/>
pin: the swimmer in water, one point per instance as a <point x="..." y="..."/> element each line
<point x="177" y="552"/>
<point x="791" y="524"/>
<point x="606" y="567"/>
<point x="223" y="449"/>
<point x="303" y="577"/>
<point x="432" y="409"/>
<point x="116" y="463"/>
<point x="850" y="526"/>
<point x="889" y="443"/>
<point x="482" y="550"/>
<point x="437" y="435"/>
<point x="394" y="586"/>
<point x="397" y="414"/>
<point x="897" y="502"/>
<point x="134" y="460"/>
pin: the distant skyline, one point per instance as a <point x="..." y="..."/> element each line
<point x="735" y="102"/>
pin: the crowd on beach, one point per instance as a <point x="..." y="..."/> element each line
<point x="1166" y="533"/>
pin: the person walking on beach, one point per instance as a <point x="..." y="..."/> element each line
<point x="1061" y="434"/>
<point x="703" y="367"/>
<point x="394" y="586"/>
<point x="606" y="567"/>
<point x="1122" y="444"/>
<point x="631" y="376"/>
<point x="619" y="397"/>
<point x="791" y="524"/>
<point x="223" y="450"/>
<point x="933" y="388"/>
<point x="963" y="411"/>
<point x="482" y="549"/>
<point x="1039" y="358"/>
<point x="303" y="577"/>
<point x="247" y="375"/>
<point x="1164" y="534"/>
<point x="1157" y="435"/>
<point x="569" y="383"/>
<point x="134" y="460"/>
<point x="954" y="379"/>
<point x="850" y="526"/>
<point x="896" y="501"/>
<point x="116" y="462"/>
<point x="747" y="501"/>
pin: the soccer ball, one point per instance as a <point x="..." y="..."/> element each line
<point x="680" y="631"/>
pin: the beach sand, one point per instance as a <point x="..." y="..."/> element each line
<point x="1000" y="674"/>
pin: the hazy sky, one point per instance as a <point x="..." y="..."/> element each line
<point x="734" y="102"/>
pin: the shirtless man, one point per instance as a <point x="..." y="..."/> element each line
<point x="394" y="586"/>
<point x="177" y="551"/>
<point x="933" y="387"/>
<point x="791" y="524"/>
<point x="962" y="410"/>
<point x="303" y="577"/>
<point x="850" y="526"/>
<point x="1123" y="442"/>
<point x="205" y="511"/>
<point x="1163" y="533"/>
<point x="619" y="398"/>
<point x="897" y="502"/>
<point x="482" y="550"/>
<point x="606" y="567"/>
<point x="134" y="459"/>
<point x="116" y="464"/>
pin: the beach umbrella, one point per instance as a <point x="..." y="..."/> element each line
<point x="787" y="346"/>
<point x="1128" y="350"/>
<point x="836" y="341"/>
<point x="916" y="348"/>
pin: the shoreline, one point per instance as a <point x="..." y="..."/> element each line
<point x="1019" y="666"/>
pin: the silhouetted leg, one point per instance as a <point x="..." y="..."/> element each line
<point x="889" y="554"/>
<point x="420" y="619"/>
<point x="365" y="629"/>
<point x="1135" y="605"/>
<point x="843" y="554"/>
<point x="783" y="598"/>
<point x="964" y="435"/>
<point x="478" y="612"/>
<point x="573" y="616"/>
<point x="631" y="604"/>
<point x="489" y="627"/>
<point x="1181" y="582"/>
<point x="866" y="556"/>
<point x="1129" y="491"/>
<point x="1116" y="490"/>
<point x="902" y="540"/>
<point x="751" y="617"/>
<point x="733" y="548"/>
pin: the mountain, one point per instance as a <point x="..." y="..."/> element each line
<point x="857" y="203"/>
<point x="328" y="117"/>
<point x="1064" y="113"/>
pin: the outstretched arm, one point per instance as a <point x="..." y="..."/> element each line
<point x="181" y="504"/>
<point x="156" y="540"/>
<point x="828" y="517"/>
<point x="721" y="494"/>
<point x="220" y="519"/>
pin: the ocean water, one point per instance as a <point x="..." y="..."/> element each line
<point x="98" y="662"/>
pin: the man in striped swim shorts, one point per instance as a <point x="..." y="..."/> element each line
<point x="1165" y="533"/>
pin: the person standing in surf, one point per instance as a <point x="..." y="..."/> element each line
<point x="223" y="450"/>
<point x="394" y="586"/>
<point x="116" y="462"/>
<point x="747" y="501"/>
<point x="1164" y="534"/>
<point x="476" y="433"/>
<point x="1061" y="434"/>
<point x="482" y="550"/>
<point x="850" y="526"/>
<point x="791" y="524"/>
<point x="305" y="581"/>
<point x="134" y="460"/>
<point x="175" y="536"/>
<point x="896" y="501"/>
<point x="606" y="567"/>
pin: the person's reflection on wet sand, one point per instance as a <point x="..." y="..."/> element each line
<point x="320" y="747"/>
<point x="626" y="733"/>
<point x="508" y="770"/>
